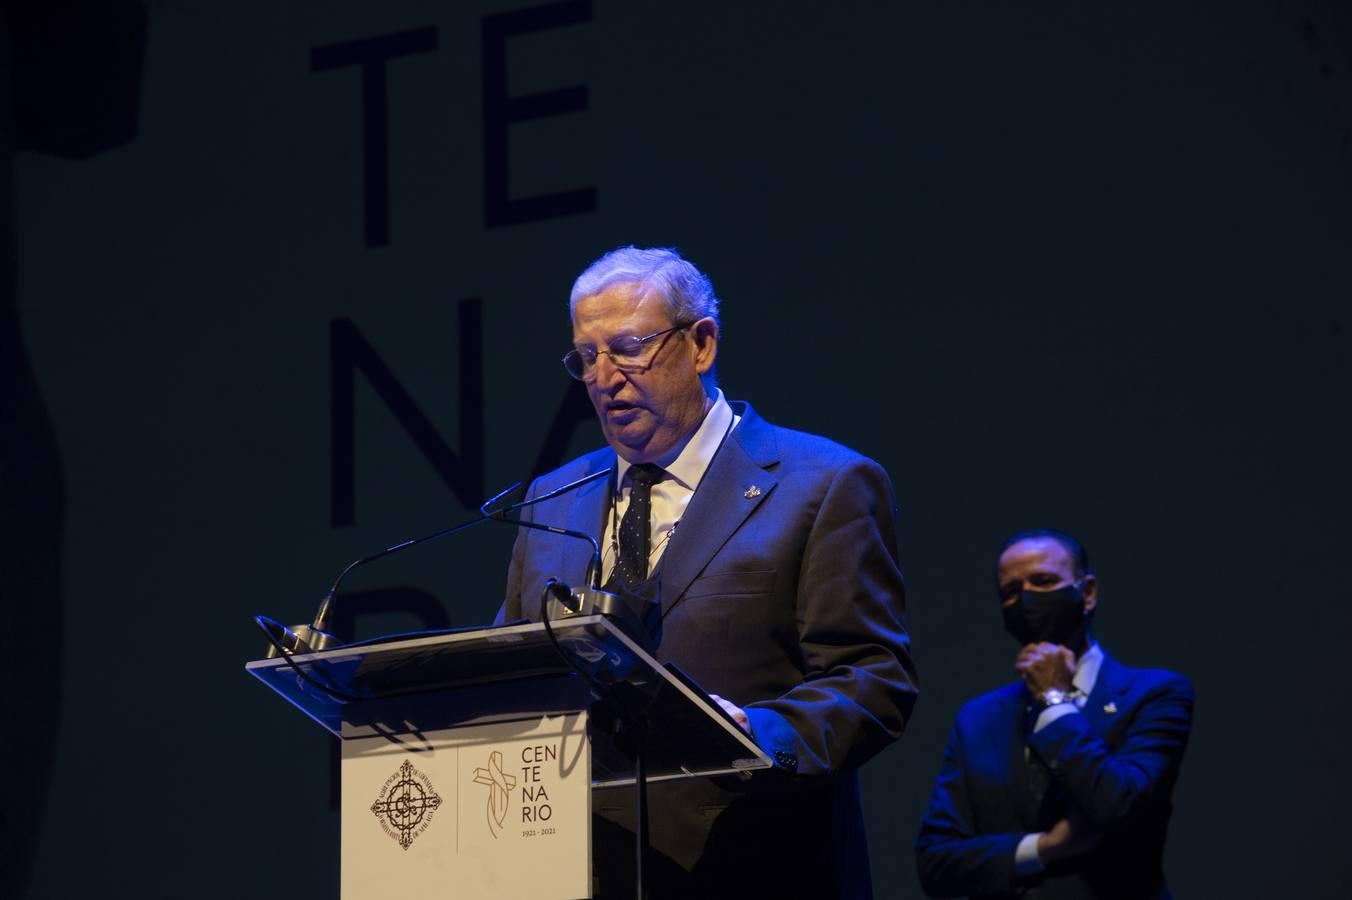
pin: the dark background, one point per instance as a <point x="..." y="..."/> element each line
<point x="1080" y="265"/>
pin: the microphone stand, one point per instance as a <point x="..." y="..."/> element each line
<point x="642" y="843"/>
<point x="629" y="715"/>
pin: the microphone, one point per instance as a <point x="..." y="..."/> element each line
<point x="315" y="636"/>
<point x="594" y="565"/>
<point x="638" y="617"/>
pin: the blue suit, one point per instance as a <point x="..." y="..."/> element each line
<point x="781" y="593"/>
<point x="1116" y="761"/>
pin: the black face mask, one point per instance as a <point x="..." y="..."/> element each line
<point x="1056" y="617"/>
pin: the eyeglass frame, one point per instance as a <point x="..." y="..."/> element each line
<point x="590" y="370"/>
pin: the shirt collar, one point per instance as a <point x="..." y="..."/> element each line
<point x="1087" y="669"/>
<point x="686" y="464"/>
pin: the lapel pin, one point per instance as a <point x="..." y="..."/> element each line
<point x="751" y="493"/>
<point x="1110" y="708"/>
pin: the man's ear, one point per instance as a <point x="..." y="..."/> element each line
<point x="704" y="336"/>
<point x="1090" y="593"/>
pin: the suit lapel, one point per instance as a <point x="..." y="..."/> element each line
<point x="586" y="513"/>
<point x="1109" y="693"/>
<point x="735" y="484"/>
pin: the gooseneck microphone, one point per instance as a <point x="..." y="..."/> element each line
<point x="318" y="637"/>
<point x="636" y="616"/>
<point x="594" y="565"/>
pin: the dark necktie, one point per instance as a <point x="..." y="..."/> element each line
<point x="632" y="563"/>
<point x="1042" y="790"/>
<point x="1049" y="801"/>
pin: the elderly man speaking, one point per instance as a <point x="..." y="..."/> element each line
<point x="773" y="553"/>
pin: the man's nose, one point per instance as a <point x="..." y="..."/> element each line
<point x="608" y="375"/>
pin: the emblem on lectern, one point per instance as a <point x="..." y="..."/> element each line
<point x="500" y="786"/>
<point x="406" y="804"/>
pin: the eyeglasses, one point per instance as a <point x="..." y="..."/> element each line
<point x="627" y="353"/>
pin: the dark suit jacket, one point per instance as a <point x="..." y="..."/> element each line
<point x="1117" y="761"/>
<point x="781" y="593"/>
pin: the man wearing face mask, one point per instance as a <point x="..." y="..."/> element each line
<point x="1059" y="784"/>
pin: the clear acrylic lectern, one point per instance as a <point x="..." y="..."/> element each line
<point x="469" y="757"/>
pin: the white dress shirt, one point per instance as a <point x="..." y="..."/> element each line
<point x="685" y="467"/>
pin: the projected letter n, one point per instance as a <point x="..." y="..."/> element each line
<point x="350" y="353"/>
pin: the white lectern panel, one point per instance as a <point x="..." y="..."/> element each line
<point x="498" y="810"/>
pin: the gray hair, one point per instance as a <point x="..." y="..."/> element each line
<point x="685" y="291"/>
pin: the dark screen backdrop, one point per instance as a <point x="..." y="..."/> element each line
<point x="286" y="282"/>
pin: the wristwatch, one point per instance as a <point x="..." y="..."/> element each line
<point x="1053" y="696"/>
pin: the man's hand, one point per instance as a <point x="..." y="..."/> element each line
<point x="738" y="715"/>
<point x="1045" y="666"/>
<point x="1069" y="837"/>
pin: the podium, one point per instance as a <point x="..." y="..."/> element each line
<point x="469" y="757"/>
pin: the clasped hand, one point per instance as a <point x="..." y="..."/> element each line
<point x="1044" y="666"/>
<point x="1069" y="837"/>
